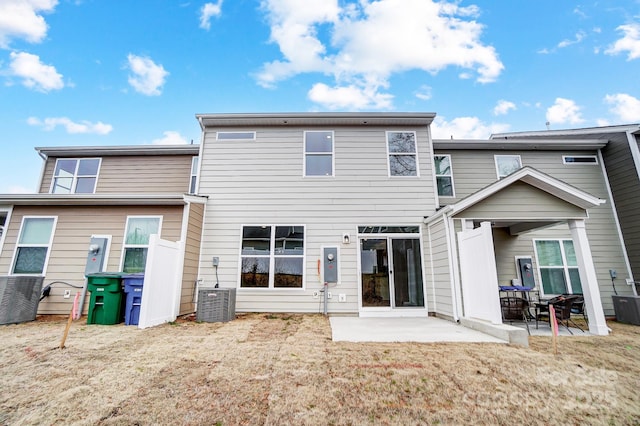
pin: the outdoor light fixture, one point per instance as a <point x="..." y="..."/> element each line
<point x="346" y="238"/>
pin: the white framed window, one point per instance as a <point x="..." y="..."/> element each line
<point x="136" y="241"/>
<point x="272" y="257"/>
<point x="194" y="175"/>
<point x="580" y="159"/>
<point x="444" y="175"/>
<point x="75" y="176"/>
<point x="558" y="267"/>
<point x="34" y="243"/>
<point x="318" y="153"/>
<point x="235" y="136"/>
<point x="507" y="164"/>
<point x="403" y="153"/>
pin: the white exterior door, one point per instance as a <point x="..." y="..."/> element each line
<point x="479" y="275"/>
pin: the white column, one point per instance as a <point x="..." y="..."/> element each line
<point x="588" y="278"/>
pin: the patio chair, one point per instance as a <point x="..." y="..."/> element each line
<point x="562" y="306"/>
<point x="578" y="305"/>
<point x="515" y="308"/>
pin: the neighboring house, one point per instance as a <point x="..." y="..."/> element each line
<point x="620" y="156"/>
<point x="286" y="189"/>
<point x="124" y="194"/>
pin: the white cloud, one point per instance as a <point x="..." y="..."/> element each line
<point x="424" y="93"/>
<point x="625" y="107"/>
<point x="16" y="189"/>
<point x="21" y="19"/>
<point x="580" y="35"/>
<point x="503" y="107"/>
<point x="147" y="77"/>
<point x="370" y="41"/>
<point x="208" y="11"/>
<point x="629" y="43"/>
<point x="349" y="97"/>
<point x="82" y="127"/>
<point x="564" y="111"/>
<point x="34" y="74"/>
<point x="170" y="138"/>
<point x="465" y="128"/>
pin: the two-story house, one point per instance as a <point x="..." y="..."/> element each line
<point x="123" y="194"/>
<point x="414" y="231"/>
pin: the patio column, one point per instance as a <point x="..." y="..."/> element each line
<point x="588" y="278"/>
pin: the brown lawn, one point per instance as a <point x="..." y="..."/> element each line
<point x="285" y="370"/>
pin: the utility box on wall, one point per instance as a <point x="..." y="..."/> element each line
<point x="525" y="267"/>
<point x="330" y="261"/>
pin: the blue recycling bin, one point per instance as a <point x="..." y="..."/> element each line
<point x="133" y="290"/>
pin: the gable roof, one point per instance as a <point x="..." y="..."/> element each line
<point x="533" y="177"/>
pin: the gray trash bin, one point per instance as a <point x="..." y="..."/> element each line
<point x="19" y="298"/>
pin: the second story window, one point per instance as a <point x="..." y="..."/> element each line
<point x="403" y="155"/>
<point x="194" y="175"/>
<point x="318" y="153"/>
<point x="75" y="176"/>
<point x="444" y="175"/>
<point x="507" y="164"/>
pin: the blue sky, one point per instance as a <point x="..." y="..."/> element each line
<point x="122" y="72"/>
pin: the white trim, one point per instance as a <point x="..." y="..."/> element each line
<point x="498" y="156"/>
<point x="5" y="226"/>
<point x="586" y="163"/>
<point x="218" y="138"/>
<point x="75" y="177"/>
<point x="433" y="274"/>
<point x="454" y="266"/>
<point x="272" y="257"/>
<point x="124" y="236"/>
<point x="195" y="158"/>
<point x="635" y="150"/>
<point x="305" y="153"/>
<point x="414" y="154"/>
<point x="49" y="244"/>
<point x="450" y="175"/>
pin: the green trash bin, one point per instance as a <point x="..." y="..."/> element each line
<point x="105" y="303"/>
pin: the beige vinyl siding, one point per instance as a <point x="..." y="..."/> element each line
<point x="439" y="282"/>
<point x="623" y="179"/>
<point x="521" y="200"/>
<point x="474" y="170"/>
<point x="73" y="231"/>
<point x="148" y="174"/>
<point x="261" y="183"/>
<point x="191" y="257"/>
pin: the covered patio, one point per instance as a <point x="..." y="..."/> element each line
<point x="523" y="202"/>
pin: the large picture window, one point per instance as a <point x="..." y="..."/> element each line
<point x="444" y="175"/>
<point x="403" y="157"/>
<point x="136" y="241"/>
<point x="75" y="176"/>
<point x="272" y="257"/>
<point x="558" y="267"/>
<point x="34" y="242"/>
<point x="318" y="153"/>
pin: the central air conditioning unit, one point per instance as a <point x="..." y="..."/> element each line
<point x="216" y="305"/>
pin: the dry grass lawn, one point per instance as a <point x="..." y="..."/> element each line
<point x="284" y="369"/>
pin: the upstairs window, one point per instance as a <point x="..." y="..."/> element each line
<point x="507" y="164"/>
<point x="194" y="175"/>
<point x="402" y="150"/>
<point x="75" y="176"/>
<point x="579" y="159"/>
<point x="235" y="136"/>
<point x="318" y="153"/>
<point x="272" y="257"/>
<point x="34" y="242"/>
<point x="444" y="175"/>
<point x="136" y="241"/>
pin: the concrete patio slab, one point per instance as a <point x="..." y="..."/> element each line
<point x="422" y="330"/>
